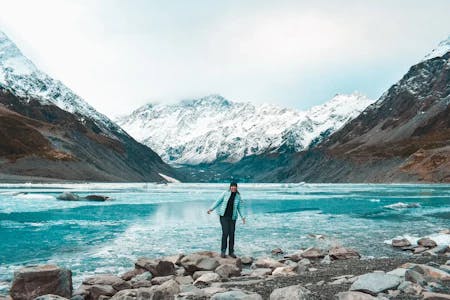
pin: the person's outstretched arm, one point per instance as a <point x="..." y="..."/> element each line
<point x="217" y="203"/>
<point x="242" y="210"/>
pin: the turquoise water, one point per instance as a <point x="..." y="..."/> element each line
<point x="156" y="220"/>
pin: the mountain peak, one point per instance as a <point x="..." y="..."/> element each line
<point x="442" y="48"/>
<point x="21" y="77"/>
<point x="212" y="128"/>
<point x="210" y="100"/>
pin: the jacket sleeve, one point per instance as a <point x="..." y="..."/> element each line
<point x="242" y="209"/>
<point x="217" y="202"/>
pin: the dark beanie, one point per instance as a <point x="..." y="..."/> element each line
<point x="233" y="183"/>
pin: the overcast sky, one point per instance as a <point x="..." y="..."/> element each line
<point x="119" y="55"/>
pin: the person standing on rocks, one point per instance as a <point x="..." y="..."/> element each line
<point x="228" y="211"/>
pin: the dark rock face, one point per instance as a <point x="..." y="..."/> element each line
<point x="404" y="136"/>
<point x="42" y="141"/>
<point x="34" y="281"/>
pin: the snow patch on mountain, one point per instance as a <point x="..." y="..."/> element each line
<point x="213" y="128"/>
<point x="442" y="48"/>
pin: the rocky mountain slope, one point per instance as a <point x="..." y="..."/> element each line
<point x="404" y="136"/>
<point x="48" y="132"/>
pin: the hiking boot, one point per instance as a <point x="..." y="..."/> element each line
<point x="232" y="255"/>
<point x="222" y="254"/>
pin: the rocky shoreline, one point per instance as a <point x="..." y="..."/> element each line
<point x="336" y="273"/>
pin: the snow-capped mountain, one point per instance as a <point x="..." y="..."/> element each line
<point x="212" y="128"/>
<point x="48" y="132"/>
<point x="20" y="76"/>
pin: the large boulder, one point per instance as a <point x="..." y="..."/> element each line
<point x="158" y="267"/>
<point x="293" y="292"/>
<point x="376" y="282"/>
<point x="196" y="262"/>
<point x="167" y="290"/>
<point x="431" y="273"/>
<point x="426" y="242"/>
<point x="343" y="253"/>
<point x="100" y="286"/>
<point x="34" y="281"/>
<point x="227" y="270"/>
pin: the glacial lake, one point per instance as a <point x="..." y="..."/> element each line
<point x="156" y="220"/>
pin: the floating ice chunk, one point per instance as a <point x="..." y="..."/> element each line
<point x="400" y="205"/>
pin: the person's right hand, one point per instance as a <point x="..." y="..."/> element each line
<point x="209" y="211"/>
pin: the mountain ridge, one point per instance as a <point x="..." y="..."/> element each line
<point x="212" y="128"/>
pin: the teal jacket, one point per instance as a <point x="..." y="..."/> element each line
<point x="238" y="205"/>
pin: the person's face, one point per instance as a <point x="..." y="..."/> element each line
<point x="233" y="188"/>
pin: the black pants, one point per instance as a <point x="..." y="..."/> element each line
<point x="228" y="226"/>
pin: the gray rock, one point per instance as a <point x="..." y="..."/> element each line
<point x="284" y="271"/>
<point x="261" y="272"/>
<point x="426" y="242"/>
<point x="247" y="260"/>
<point x="277" y="251"/>
<point x="326" y="260"/>
<point x="197" y="274"/>
<point x="400" y="272"/>
<point x="435" y="296"/>
<point x="267" y="262"/>
<point x="130" y="274"/>
<point x="227" y="270"/>
<point x="34" y="281"/>
<point x="343" y="253"/>
<point x="376" y="282"/>
<point x="236" y="295"/>
<point x="146" y="276"/>
<point x="211" y="290"/>
<point x="184" y="279"/>
<point x="68" y="196"/>
<point x="157" y="267"/>
<point x="352" y="295"/>
<point x="400" y="243"/>
<point x="161" y="279"/>
<point x="167" y="290"/>
<point x="207" y="278"/>
<point x="196" y="262"/>
<point x="96" y="198"/>
<point x="431" y="273"/>
<point x="293" y="292"/>
<point x="116" y="282"/>
<point x="97" y="290"/>
<point x="416" y="277"/>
